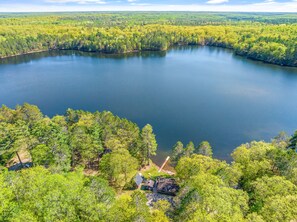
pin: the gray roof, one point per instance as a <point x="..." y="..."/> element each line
<point x="150" y="183"/>
<point x="138" y="179"/>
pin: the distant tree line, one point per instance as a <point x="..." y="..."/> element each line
<point x="121" y="33"/>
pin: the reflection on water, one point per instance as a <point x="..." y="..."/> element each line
<point x="39" y="55"/>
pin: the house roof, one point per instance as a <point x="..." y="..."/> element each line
<point x="167" y="185"/>
<point x="150" y="183"/>
<point x="138" y="179"/>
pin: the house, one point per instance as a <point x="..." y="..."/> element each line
<point x="138" y="179"/>
<point x="149" y="185"/>
<point x="167" y="186"/>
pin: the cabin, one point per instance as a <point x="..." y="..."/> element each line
<point x="149" y="185"/>
<point x="138" y="179"/>
<point x="167" y="186"/>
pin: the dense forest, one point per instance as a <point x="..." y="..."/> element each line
<point x="266" y="37"/>
<point x="83" y="163"/>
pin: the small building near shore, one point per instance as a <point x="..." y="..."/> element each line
<point x="149" y="185"/>
<point x="138" y="179"/>
<point x="167" y="186"/>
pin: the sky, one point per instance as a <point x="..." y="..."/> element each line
<point x="148" y="5"/>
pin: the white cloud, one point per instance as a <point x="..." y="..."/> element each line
<point x="141" y="4"/>
<point x="289" y="6"/>
<point x="131" y="0"/>
<point x="216" y="1"/>
<point x="78" y="1"/>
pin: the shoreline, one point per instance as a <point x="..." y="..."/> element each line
<point x="21" y="54"/>
<point x="139" y="51"/>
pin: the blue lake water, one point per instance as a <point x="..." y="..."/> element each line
<point x="187" y="93"/>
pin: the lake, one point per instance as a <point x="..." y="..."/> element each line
<point x="187" y="93"/>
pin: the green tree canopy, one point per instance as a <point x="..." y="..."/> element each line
<point x="149" y="143"/>
<point x="205" y="149"/>
<point x="177" y="152"/>
<point x="118" y="167"/>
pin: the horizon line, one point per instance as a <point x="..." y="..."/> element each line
<point x="197" y="11"/>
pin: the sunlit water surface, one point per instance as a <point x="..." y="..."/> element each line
<point x="189" y="93"/>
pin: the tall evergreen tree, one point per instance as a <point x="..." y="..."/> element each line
<point x="149" y="143"/>
<point x="177" y="152"/>
<point x="293" y="142"/>
<point x="205" y="149"/>
<point x="189" y="150"/>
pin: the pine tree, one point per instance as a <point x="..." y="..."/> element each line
<point x="177" y="152"/>
<point x="149" y="143"/>
<point x="205" y="149"/>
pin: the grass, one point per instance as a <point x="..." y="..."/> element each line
<point x="152" y="172"/>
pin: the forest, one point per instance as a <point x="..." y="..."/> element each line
<point x="267" y="37"/>
<point x="83" y="164"/>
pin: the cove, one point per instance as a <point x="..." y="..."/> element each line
<point x="186" y="93"/>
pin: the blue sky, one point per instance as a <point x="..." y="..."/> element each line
<point x="149" y="5"/>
